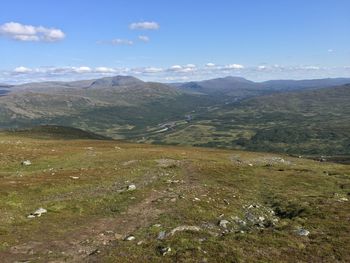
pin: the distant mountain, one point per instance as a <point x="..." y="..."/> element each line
<point x="116" y="81"/>
<point x="223" y="87"/>
<point x="235" y="87"/>
<point x="4" y="89"/>
<point x="231" y="112"/>
<point x="113" y="106"/>
<point x="54" y="86"/>
<point x="301" y="84"/>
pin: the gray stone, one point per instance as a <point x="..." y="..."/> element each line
<point x="161" y="235"/>
<point x="223" y="223"/>
<point x="303" y="232"/>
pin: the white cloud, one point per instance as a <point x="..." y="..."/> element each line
<point x="22" y="32"/>
<point x="144" y="26"/>
<point x="309" y="67"/>
<point x="83" y="69"/>
<point x="144" y="38"/>
<point x="152" y="70"/>
<point x="104" y="70"/>
<point x="262" y="67"/>
<point x="183" y="69"/>
<point x="210" y="65"/>
<point x="330" y="50"/>
<point x="22" y="70"/>
<point x="175" y="68"/>
<point x="190" y="66"/>
<point x="119" y="41"/>
<point x="174" y="73"/>
<point x="234" y="66"/>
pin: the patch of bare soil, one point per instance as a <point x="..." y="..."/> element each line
<point x="91" y="238"/>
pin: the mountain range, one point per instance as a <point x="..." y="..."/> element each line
<point x="294" y="116"/>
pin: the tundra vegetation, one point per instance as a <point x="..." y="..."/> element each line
<point x="100" y="200"/>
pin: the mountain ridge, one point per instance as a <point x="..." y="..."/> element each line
<point x="220" y="112"/>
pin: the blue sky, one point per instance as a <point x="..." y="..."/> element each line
<point x="174" y="40"/>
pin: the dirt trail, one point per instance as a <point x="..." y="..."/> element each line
<point x="93" y="237"/>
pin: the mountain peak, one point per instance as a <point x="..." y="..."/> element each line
<point x="115" y="81"/>
<point x="236" y="79"/>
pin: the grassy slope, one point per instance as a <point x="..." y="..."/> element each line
<point x="87" y="216"/>
<point x="56" y="132"/>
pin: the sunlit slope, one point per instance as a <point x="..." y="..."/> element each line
<point x="190" y="204"/>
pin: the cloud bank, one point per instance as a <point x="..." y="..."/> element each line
<point x="174" y="73"/>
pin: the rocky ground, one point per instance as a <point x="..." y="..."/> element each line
<point x="108" y="201"/>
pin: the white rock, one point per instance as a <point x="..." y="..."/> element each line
<point x="26" y="163"/>
<point x="184" y="228"/>
<point x="130" y="238"/>
<point x="131" y="187"/>
<point x="40" y="211"/>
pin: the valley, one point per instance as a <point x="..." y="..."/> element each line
<point x="308" y="117"/>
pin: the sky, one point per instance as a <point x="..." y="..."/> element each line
<point x="173" y="40"/>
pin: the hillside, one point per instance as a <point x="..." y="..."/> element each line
<point x="116" y="103"/>
<point x="300" y="122"/>
<point x="111" y="201"/>
<point x="56" y="132"/>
